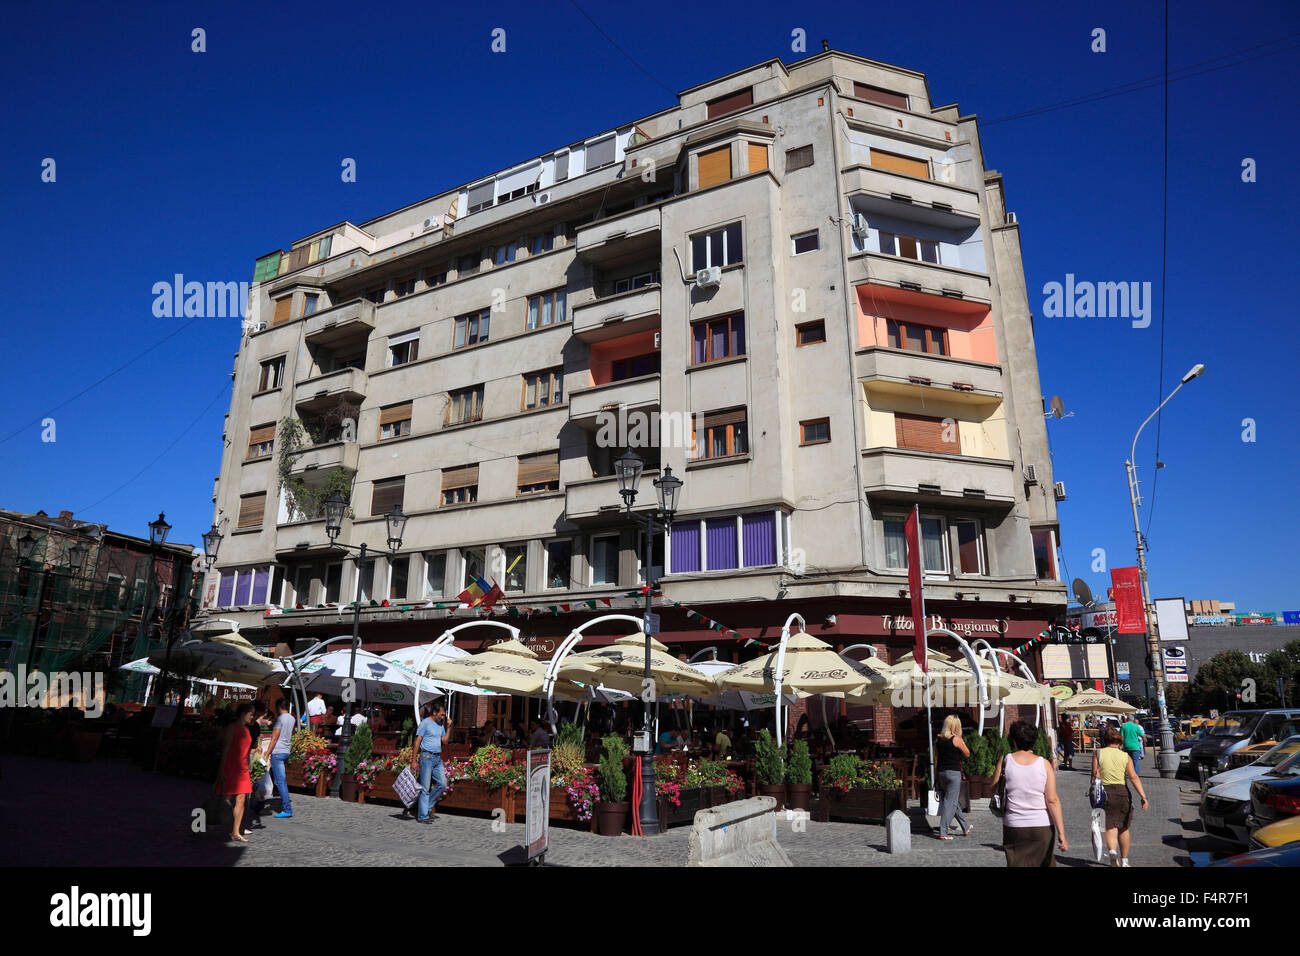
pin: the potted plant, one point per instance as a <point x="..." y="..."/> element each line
<point x="486" y="782"/>
<point x="979" y="767"/>
<point x="308" y="756"/>
<point x="717" y="784"/>
<point x="770" y="768"/>
<point x="573" y="789"/>
<point x="858" y="791"/>
<point x="358" y="753"/>
<point x="798" y="776"/>
<point x="611" y="811"/>
<point x="678" y="792"/>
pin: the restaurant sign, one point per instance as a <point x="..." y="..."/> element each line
<point x="537" y="822"/>
<point x="967" y="628"/>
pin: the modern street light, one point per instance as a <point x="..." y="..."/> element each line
<point x="629" y="468"/>
<point x="335" y="508"/>
<point x="1168" y="759"/>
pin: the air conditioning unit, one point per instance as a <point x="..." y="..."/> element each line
<point x="1059" y="490"/>
<point x="541" y="199"/>
<point x="709" y="278"/>
<point x="860" y="227"/>
<point x="433" y="222"/>
<point x="1031" y="474"/>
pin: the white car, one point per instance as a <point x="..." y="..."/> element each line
<point x="1226" y="801"/>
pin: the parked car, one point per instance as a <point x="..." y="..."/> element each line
<point x="1233" y="731"/>
<point x="1280" y="833"/>
<point x="1248" y="755"/>
<point x="1275" y="796"/>
<point x="1226" y="800"/>
<point x="1287" y="856"/>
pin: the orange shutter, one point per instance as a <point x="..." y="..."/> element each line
<point x="924" y="433"/>
<point x="732" y="417"/>
<point x="757" y="157"/>
<point x="715" y="166"/>
<point x="900" y="164"/>
<point x="282" y="310"/>
<point x="394" y="413"/>
<point x="729" y="104"/>
<point x="464" y="477"/>
<point x="251" y="508"/>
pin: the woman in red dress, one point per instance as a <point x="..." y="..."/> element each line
<point x="233" y="779"/>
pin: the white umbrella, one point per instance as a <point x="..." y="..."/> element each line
<point x="225" y="656"/>
<point x="408" y="659"/>
<point x="375" y="679"/>
<point x="737" y="699"/>
<point x="142" y="666"/>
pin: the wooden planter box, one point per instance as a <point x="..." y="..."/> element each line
<point x="691" y="802"/>
<point x="861" y="806"/>
<point x="383" y="791"/>
<point x="475" y="795"/>
<point x="979" y="788"/>
<point x="561" y="811"/>
<point x="293" y="777"/>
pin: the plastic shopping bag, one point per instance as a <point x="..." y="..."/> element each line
<point x="262" y="791"/>
<point x="406" y="787"/>
<point x="1098" y="829"/>
<point x="932" y="803"/>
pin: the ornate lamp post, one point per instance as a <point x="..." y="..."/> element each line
<point x="628" y="468"/>
<point x="335" y="508"/>
<point x="212" y="544"/>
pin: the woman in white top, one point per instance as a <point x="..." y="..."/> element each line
<point x="1033" y="808"/>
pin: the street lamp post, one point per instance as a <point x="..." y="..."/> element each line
<point x="335" y="508"/>
<point x="1168" y="759"/>
<point x="629" y="468"/>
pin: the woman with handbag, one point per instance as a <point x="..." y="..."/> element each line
<point x="233" y="779"/>
<point x="1025" y="796"/>
<point x="1114" y="767"/>
<point x="949" y="748"/>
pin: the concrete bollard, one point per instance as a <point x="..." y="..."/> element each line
<point x="742" y="833"/>
<point x="898" y="833"/>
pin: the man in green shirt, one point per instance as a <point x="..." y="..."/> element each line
<point x="722" y="744"/>
<point x="1134" y="740"/>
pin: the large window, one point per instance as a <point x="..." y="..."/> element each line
<point x="243" y="587"/>
<point x="934" y="549"/>
<point x="604" y="559"/>
<point x="638" y="365"/>
<point x="722" y="435"/>
<point x="516" y="568"/>
<point x="714" y="339"/>
<point x="309" y="301"/>
<point x="559" y="563"/>
<point x="542" y="389"/>
<point x="435" y="573"/>
<point x="387" y="495"/>
<point x="261" y="440"/>
<point x="403" y="348"/>
<point x="1044" y="554"/>
<point x="925" y="433"/>
<point x="333" y="583"/>
<point x="504" y="253"/>
<point x="909" y="247"/>
<point x="545" y="309"/>
<point x="719" y="247"/>
<point x="272" y="374"/>
<point x="542" y="242"/>
<point x="472" y="329"/>
<point x="460" y="485"/>
<point x="474" y="565"/>
<point x="970" y="546"/>
<point x="251" y="509"/>
<point x="404" y="286"/>
<point x="539" y="473"/>
<point x="395" y="421"/>
<point x="399" y="570"/>
<point x="917" y="338"/>
<point x="600" y="153"/>
<point x="725" y="543"/>
<point x="464" y="405"/>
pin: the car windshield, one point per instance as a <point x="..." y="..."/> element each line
<point x="1235" y="725"/>
<point x="1288" y="768"/>
<point x="1281" y="752"/>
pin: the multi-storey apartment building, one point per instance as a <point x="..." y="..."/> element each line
<point x="809" y="260"/>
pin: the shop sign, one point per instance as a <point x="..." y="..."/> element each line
<point x="967" y="628"/>
<point x="1175" y="665"/>
<point x="1255" y="617"/>
<point x="1209" y="619"/>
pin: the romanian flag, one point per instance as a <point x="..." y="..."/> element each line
<point x="480" y="593"/>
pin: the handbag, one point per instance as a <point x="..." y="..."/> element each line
<point x="406" y="787"/>
<point x="998" y="802"/>
<point x="1096" y="793"/>
<point x="217" y="812"/>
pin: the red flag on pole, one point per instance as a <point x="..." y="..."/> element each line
<point x="912" y="533"/>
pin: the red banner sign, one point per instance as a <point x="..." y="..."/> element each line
<point x="1127" y="586"/>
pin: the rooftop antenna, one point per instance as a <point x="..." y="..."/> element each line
<point x="1058" y="409"/>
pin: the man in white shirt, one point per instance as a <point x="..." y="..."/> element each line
<point x="315" y="709"/>
<point x="357" y="720"/>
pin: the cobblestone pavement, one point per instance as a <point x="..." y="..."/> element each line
<point x="113" y="813"/>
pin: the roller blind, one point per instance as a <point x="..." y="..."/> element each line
<point x="282" y="310"/>
<point x="900" y="164"/>
<point x="464" y="477"/>
<point x="600" y="154"/>
<point x="258" y="435"/>
<point x="729" y="104"/>
<point x="251" y="508"/>
<point x="715" y="166"/>
<point x="878" y="95"/>
<point x="395" y="413"/>
<point x="730" y="417"/>
<point x="925" y="434"/>
<point x="481" y="193"/>
<point x="387" y="495"/>
<point x="536" y="469"/>
<point x="757" y="157"/>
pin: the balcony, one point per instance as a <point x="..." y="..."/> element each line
<point x="615" y="315"/>
<point x="326" y="457"/>
<point x="919" y="276"/>
<point x="346" y="324"/>
<point x="307" y="538"/>
<point x="888" y="371"/>
<point x="639" y="394"/>
<point x="319" y="393"/>
<point x="908" y="475"/>
<point x="624" y="238"/>
<point x="907" y="197"/>
<point x="597" y="499"/>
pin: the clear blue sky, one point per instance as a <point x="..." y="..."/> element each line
<point x="171" y="161"/>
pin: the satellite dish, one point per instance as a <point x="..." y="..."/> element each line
<point x="1082" y="593"/>
<point x="1058" y="407"/>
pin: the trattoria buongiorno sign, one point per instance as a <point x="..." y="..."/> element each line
<point x="967" y="628"/>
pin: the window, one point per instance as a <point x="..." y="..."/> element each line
<point x="970" y="546"/>
<point x="399" y="570"/>
<point x="543" y="388"/>
<point x="272" y="374"/>
<point x="897" y="163"/>
<point x="561" y="166"/>
<point x="723" y="435"/>
<point x="721" y="247"/>
<point x="720" y="550"/>
<point x="714" y="339"/>
<point x="467" y="265"/>
<point x="395" y="421"/>
<point x="685" y="546"/>
<point x="714" y="166"/>
<point x="309" y="303"/>
<point x="934" y="551"/>
<point x="804" y="242"/>
<point x="539" y="473"/>
<point x="460" y="485"/>
<point x="798" y="158"/>
<point x="542" y="242"/>
<point x="504" y="253"/>
<point x="925" y="433"/>
<point x="368" y="581"/>
<point x="302" y="585"/>
<point x="758" y="539"/>
<point x="917" y="338"/>
<point x="545" y="309"/>
<point x="251" y="508"/>
<point x="333" y="583"/>
<point x="877" y="95"/>
<point x="481" y="196"/>
<point x="559" y="563"/>
<point x="465" y="405"/>
<point x="266" y="267"/>
<point x="636" y="282"/>
<point x="656" y="558"/>
<point x="404" y="287"/>
<point x="600" y="153"/>
<point x="375" y="295"/>
<point x="604" y="559"/>
<point x="282" y="308"/>
<point x="815" y="432"/>
<point x="810" y="333"/>
<point x="516" y="568"/>
<point x="320" y="249"/>
<point x="387" y="495"/>
<point x="475" y="564"/>
<point x="635" y="367"/>
<point x="435" y="573"/>
<point x="734" y="541"/>
<point x="261" y="440"/>
<point x="472" y="329"/>
<point x="757" y="156"/>
<point x="517" y="193"/>
<point x="1044" y="558"/>
<point x="403" y="348"/>
<point x="434" y="279"/>
<point x="730" y="103"/>
<point x="909" y="247"/>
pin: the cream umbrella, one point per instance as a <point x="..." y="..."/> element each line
<point x="621" y="666"/>
<point x="811" y="667"/>
<point x="510" y="667"/>
<point x="950" y="683"/>
<point x="1095" y="702"/>
<point x="226" y="657"/>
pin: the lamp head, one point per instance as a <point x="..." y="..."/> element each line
<point x="1194" y="372"/>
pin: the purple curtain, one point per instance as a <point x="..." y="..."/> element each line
<point x="738" y="335"/>
<point x="699" y="332"/>
<point x="261" y="582"/>
<point x="243" y="588"/>
<point x="686" y="546"/>
<point x="760" y="539"/>
<point x="227" y="589"/>
<point x="720" y="543"/>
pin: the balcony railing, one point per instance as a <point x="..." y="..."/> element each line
<point x="925" y="277"/>
<point x="898" y="372"/>
<point x="345" y="384"/>
<point x="907" y="474"/>
<point x="343" y="324"/>
<point x="588" y="406"/>
<point x="615" y="315"/>
<point x="625" y="237"/>
<point x="906" y="197"/>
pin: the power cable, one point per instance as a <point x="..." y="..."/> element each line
<point x="627" y="55"/>
<point x="1164" y="248"/>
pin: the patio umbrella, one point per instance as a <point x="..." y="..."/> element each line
<point x="621" y="666"/>
<point x="408" y="659"/>
<point x="376" y="680"/>
<point x="737" y="699"/>
<point x="142" y="666"/>
<point x="811" y="667"/>
<point x="227" y="657"/>
<point x="1095" y="702"/>
<point x="951" y="682"/>
<point x="510" y="667"/>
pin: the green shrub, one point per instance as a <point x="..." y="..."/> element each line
<point x="770" y="766"/>
<point x="999" y="747"/>
<point x="1043" y="746"/>
<point x="841" y="773"/>
<point x="568" y="733"/>
<point x="358" y="748"/>
<point x="799" y="769"/>
<point x="980" y="761"/>
<point x="613" y="782"/>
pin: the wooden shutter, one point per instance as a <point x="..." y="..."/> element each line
<point x="878" y="95"/>
<point x="733" y="416"/>
<point x="394" y="413"/>
<point x="900" y="164"/>
<point x="729" y="104"/>
<point x="465" y="476"/>
<point x="251" y="508"/>
<point x="536" y="469"/>
<point x="282" y="310"/>
<point x="798" y="158"/>
<point x="387" y="495"/>
<point x="757" y="157"/>
<point x="258" y="435"/>
<point x="925" y="434"/>
<point x="298" y="258"/>
<point x="715" y="166"/>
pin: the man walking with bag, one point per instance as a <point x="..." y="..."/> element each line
<point x="429" y="737"/>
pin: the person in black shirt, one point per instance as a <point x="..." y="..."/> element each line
<point x="949" y="748"/>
